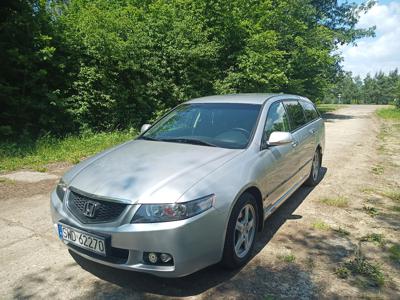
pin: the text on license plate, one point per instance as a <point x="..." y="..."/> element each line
<point x="82" y="239"/>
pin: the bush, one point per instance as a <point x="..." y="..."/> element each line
<point x="396" y="103"/>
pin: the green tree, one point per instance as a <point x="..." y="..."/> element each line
<point x="30" y="73"/>
<point x="70" y="66"/>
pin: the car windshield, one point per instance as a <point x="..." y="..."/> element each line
<point x="227" y="125"/>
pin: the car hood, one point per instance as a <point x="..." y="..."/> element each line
<point x="147" y="171"/>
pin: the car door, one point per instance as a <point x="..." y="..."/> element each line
<point x="301" y="137"/>
<point x="275" y="163"/>
<point x="312" y="127"/>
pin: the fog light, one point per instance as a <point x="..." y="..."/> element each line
<point x="165" y="257"/>
<point x="152" y="257"/>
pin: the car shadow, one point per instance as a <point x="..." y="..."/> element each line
<point x="202" y="280"/>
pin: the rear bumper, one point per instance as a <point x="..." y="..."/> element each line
<point x="194" y="243"/>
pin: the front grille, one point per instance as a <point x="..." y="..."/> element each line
<point x="105" y="211"/>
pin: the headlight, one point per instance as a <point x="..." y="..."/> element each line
<point x="61" y="189"/>
<point x="152" y="213"/>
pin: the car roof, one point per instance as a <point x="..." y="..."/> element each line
<point x="253" y="98"/>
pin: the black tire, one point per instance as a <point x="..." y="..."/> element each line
<point x="230" y="258"/>
<point x="313" y="179"/>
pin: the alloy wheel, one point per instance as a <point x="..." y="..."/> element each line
<point x="245" y="229"/>
<point x="315" y="166"/>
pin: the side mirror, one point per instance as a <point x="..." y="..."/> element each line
<point x="279" y="138"/>
<point x="144" y="127"/>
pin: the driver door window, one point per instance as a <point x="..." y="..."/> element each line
<point x="278" y="163"/>
<point x="277" y="120"/>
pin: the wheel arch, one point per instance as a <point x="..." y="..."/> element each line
<point x="319" y="148"/>
<point x="256" y="193"/>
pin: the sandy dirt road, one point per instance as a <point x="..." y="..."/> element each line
<point x="296" y="254"/>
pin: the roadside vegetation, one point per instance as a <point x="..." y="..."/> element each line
<point x="37" y="154"/>
<point x="390" y="113"/>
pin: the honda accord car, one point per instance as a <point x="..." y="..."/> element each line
<point x="193" y="188"/>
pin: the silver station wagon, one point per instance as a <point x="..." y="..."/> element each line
<point x="194" y="188"/>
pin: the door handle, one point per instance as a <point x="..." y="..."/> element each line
<point x="312" y="131"/>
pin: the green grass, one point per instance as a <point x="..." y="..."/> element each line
<point x="337" y="201"/>
<point x="376" y="238"/>
<point x="6" y="181"/>
<point x="393" y="195"/>
<point x="289" y="258"/>
<point x="324" y="108"/>
<point x="365" y="272"/>
<point x="395" y="208"/>
<point x="390" y="113"/>
<point x="320" y="225"/>
<point x="342" y="272"/>
<point x="377" y="169"/>
<point x="372" y="272"/>
<point x="36" y="155"/>
<point x="368" y="190"/>
<point x="395" y="253"/>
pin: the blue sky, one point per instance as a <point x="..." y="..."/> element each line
<point x="382" y="52"/>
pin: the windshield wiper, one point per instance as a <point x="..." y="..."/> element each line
<point x="147" y="138"/>
<point x="189" y="141"/>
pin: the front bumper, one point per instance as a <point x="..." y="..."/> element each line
<point x="194" y="243"/>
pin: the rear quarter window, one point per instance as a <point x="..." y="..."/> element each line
<point x="296" y="114"/>
<point x="309" y="111"/>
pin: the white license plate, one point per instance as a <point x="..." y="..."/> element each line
<point x="82" y="239"/>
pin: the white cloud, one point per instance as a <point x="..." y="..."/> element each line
<point x="381" y="53"/>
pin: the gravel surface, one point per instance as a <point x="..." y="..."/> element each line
<point x="296" y="255"/>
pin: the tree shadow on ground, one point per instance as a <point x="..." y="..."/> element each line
<point x="205" y="279"/>
<point x="257" y="280"/>
<point x="331" y="117"/>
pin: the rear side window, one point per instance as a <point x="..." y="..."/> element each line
<point x="296" y="114"/>
<point x="277" y="120"/>
<point x="309" y="111"/>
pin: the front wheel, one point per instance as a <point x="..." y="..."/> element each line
<point x="241" y="232"/>
<point x="315" y="172"/>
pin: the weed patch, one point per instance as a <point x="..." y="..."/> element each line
<point x="320" y="225"/>
<point x="368" y="190"/>
<point x="366" y="272"/>
<point x="288" y="258"/>
<point x="341" y="231"/>
<point x="343" y="272"/>
<point x="395" y="253"/>
<point x="6" y="180"/>
<point x="376" y="238"/>
<point x="337" y="201"/>
<point x="370" y="210"/>
<point x="395" y="208"/>
<point x="393" y="195"/>
<point x="377" y="170"/>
